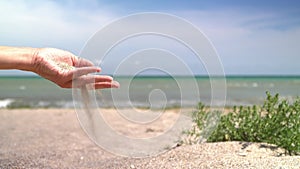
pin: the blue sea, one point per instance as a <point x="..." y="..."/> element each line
<point x="36" y="92"/>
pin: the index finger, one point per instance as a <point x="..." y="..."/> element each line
<point x="77" y="72"/>
<point x="81" y="62"/>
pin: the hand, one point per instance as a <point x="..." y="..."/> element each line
<point x="67" y="70"/>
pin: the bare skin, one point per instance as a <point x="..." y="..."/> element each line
<point x="59" y="66"/>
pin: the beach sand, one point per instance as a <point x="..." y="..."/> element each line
<point x="53" y="138"/>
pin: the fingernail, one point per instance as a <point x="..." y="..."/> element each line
<point x="111" y="78"/>
<point x="115" y="84"/>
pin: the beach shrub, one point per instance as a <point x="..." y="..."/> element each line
<point x="276" y="122"/>
<point x="19" y="104"/>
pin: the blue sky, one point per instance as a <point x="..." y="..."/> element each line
<point x="251" y="37"/>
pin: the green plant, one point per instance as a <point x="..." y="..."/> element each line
<point x="276" y="122"/>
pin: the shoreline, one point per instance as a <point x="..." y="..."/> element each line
<point x="53" y="138"/>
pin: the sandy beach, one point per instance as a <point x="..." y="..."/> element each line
<point x="53" y="138"/>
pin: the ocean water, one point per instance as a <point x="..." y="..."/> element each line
<point x="34" y="92"/>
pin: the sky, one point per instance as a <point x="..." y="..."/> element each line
<point x="251" y="37"/>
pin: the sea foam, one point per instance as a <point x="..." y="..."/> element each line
<point x="6" y="102"/>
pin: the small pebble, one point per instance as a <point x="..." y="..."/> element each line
<point x="242" y="154"/>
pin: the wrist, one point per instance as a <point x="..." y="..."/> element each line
<point x="17" y="58"/>
<point x="26" y="60"/>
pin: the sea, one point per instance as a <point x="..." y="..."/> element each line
<point x="151" y="91"/>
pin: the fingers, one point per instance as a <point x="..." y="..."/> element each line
<point x="83" y="80"/>
<point x="83" y="63"/>
<point x="95" y="82"/>
<point x="81" y="76"/>
<point x="103" y="85"/>
<point x="78" y="72"/>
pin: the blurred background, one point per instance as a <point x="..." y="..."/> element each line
<point x="257" y="42"/>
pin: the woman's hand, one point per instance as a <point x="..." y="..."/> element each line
<point x="68" y="70"/>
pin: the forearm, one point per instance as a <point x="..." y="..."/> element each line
<point x="17" y="58"/>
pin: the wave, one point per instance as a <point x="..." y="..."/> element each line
<point x="18" y="103"/>
<point x="6" y="102"/>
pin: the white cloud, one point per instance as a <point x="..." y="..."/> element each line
<point x="48" y="23"/>
<point x="245" y="40"/>
<point x="262" y="42"/>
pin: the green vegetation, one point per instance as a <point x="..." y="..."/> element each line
<point x="19" y="104"/>
<point x="276" y="122"/>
